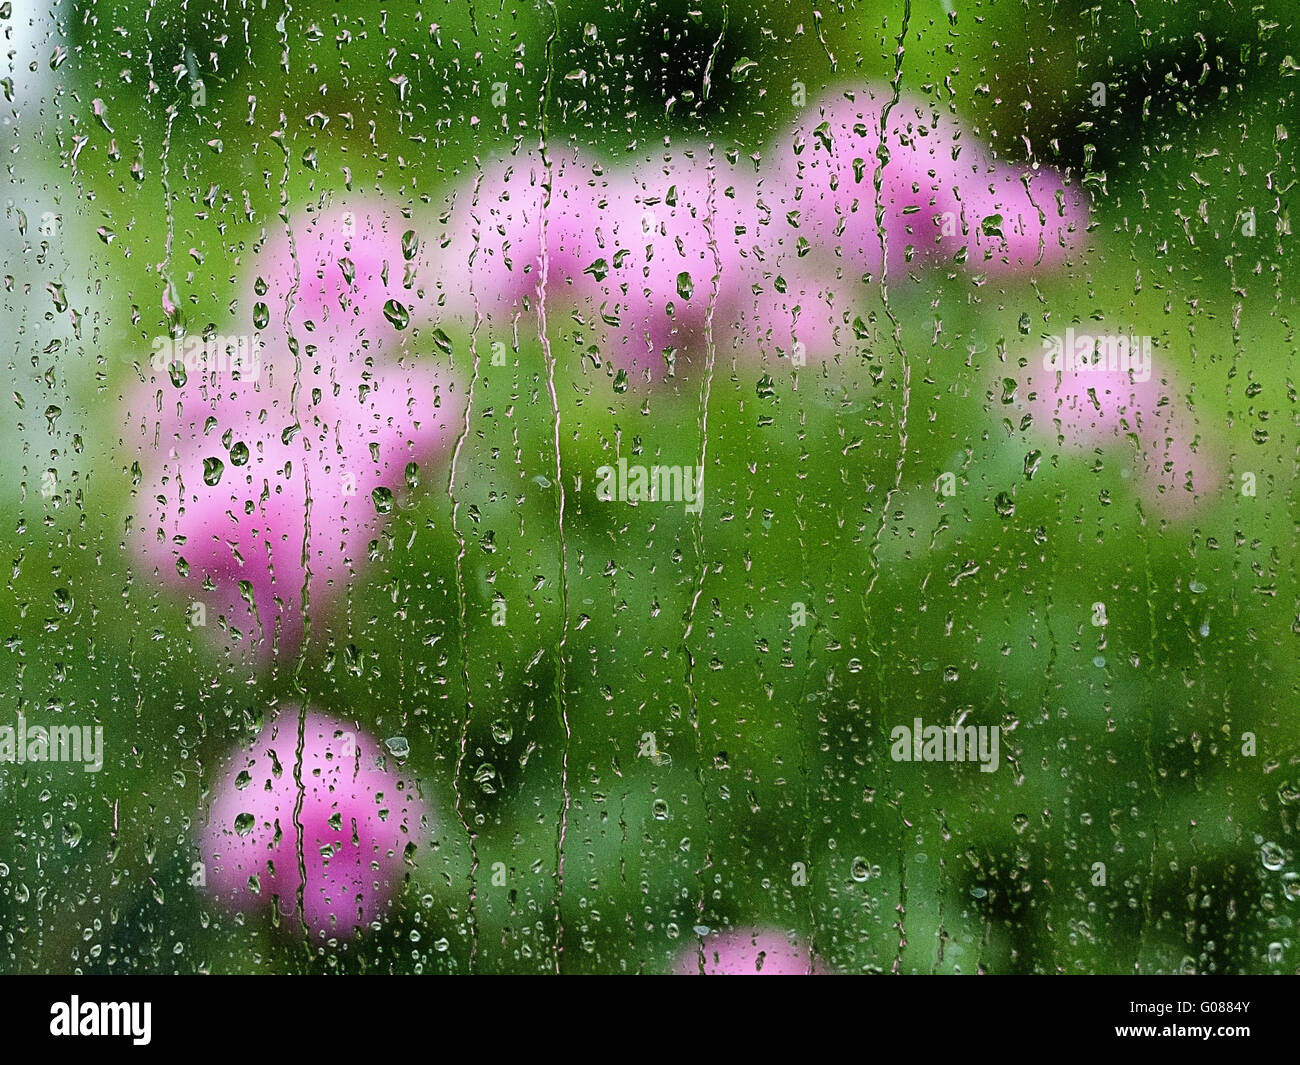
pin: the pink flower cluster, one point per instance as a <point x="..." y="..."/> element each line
<point x="635" y="259"/>
<point x="261" y="489"/>
<point x="260" y="493"/>
<point x="641" y="255"/>
<point x="942" y="200"/>
<point x="360" y="824"/>
<point x="627" y="256"/>
<point x="230" y="463"/>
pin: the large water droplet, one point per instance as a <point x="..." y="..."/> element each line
<point x="397" y="314"/>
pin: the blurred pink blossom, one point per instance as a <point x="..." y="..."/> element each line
<point x="666" y="231"/>
<point x="341" y="266"/>
<point x="629" y="257"/>
<point x="633" y="250"/>
<point x="487" y="250"/>
<point x="359" y="821"/>
<point x="942" y="199"/>
<point x="750" y="952"/>
<point x="938" y="186"/>
<point x="1147" y="420"/>
<point x="226" y="476"/>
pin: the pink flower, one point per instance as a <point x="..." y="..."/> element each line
<point x="649" y="255"/>
<point x="632" y="251"/>
<point x="360" y="823"/>
<point x="942" y="200"/>
<point x="629" y="260"/>
<point x="938" y="188"/>
<point x="823" y="180"/>
<point x="488" y="259"/>
<point x="801" y="309"/>
<point x="1042" y="221"/>
<point x="1093" y="407"/>
<point x="750" y="952"/>
<point x="348" y="262"/>
<point x="227" y="476"/>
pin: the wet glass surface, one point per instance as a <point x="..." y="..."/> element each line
<point x="649" y="488"/>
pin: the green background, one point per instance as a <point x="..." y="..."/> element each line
<point x="1121" y="744"/>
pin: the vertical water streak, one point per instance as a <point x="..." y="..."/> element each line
<point x="710" y="353"/>
<point x="549" y="356"/>
<point x="458" y="775"/>
<point x="874" y="554"/>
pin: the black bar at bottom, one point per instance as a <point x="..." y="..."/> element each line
<point x="138" y="1014"/>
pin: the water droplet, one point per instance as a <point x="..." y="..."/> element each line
<point x="740" y="70"/>
<point x="485" y="777"/>
<point x="397" y="314"/>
